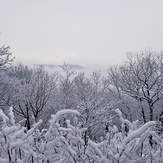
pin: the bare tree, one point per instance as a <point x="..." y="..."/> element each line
<point x="141" y="77"/>
<point x="32" y="92"/>
<point x="93" y="103"/>
<point x="5" y="56"/>
<point x="66" y="86"/>
<point x="5" y="60"/>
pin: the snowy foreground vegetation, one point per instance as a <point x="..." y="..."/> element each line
<point x="65" y="143"/>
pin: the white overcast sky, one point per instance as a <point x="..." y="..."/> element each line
<point x="86" y="32"/>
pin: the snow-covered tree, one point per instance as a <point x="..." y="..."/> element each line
<point x="93" y="103"/>
<point x="141" y="78"/>
<point x="32" y="89"/>
<point x="6" y="60"/>
<point x="5" y="57"/>
<point x="66" y="87"/>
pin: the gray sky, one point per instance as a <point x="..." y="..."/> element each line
<point x="86" y="32"/>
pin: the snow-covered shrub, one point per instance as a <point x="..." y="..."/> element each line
<point x="129" y="147"/>
<point x="16" y="143"/>
<point x="65" y="144"/>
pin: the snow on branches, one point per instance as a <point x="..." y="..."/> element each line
<point x="65" y="143"/>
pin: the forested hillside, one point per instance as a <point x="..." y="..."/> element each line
<point x="68" y="117"/>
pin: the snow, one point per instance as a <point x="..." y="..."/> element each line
<point x="60" y="113"/>
<point x="135" y="134"/>
<point x="67" y="144"/>
<point x="4" y="160"/>
<point x="11" y="116"/>
<point x="4" y="117"/>
<point x="8" y="130"/>
<point x="118" y="112"/>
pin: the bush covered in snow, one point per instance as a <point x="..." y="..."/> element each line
<point x="66" y="144"/>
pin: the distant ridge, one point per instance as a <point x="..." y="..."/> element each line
<point x="78" y="68"/>
<point x="57" y="66"/>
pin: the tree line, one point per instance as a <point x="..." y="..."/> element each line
<point x="135" y="87"/>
